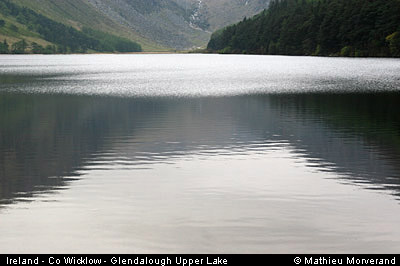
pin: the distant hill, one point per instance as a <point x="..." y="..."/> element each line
<point x="23" y="30"/>
<point x="157" y="25"/>
<point x="164" y="22"/>
<point x="316" y="27"/>
<point x="178" y="24"/>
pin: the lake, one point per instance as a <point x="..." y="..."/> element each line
<point x="186" y="153"/>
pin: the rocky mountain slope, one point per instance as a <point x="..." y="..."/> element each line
<point x="224" y="12"/>
<point x="178" y="24"/>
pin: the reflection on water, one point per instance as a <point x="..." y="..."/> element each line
<point x="360" y="135"/>
<point x="239" y="172"/>
<point x="47" y="140"/>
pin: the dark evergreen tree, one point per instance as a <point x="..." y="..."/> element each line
<point x="19" y="47"/>
<point x="4" y="47"/>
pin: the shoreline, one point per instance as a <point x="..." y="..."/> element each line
<point x="209" y="52"/>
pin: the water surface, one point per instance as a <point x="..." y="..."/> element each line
<point x="199" y="153"/>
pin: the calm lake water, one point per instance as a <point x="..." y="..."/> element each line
<point x="199" y="154"/>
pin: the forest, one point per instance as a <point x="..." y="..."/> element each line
<point x="64" y="39"/>
<point x="358" y="28"/>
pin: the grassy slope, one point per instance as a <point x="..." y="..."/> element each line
<point x="79" y="13"/>
<point x="23" y="33"/>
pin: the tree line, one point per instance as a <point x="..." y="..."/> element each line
<point x="22" y="47"/>
<point x="66" y="39"/>
<point x="316" y="27"/>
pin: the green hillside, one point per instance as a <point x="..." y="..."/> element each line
<point x="80" y="13"/>
<point x="316" y="27"/>
<point x="24" y="30"/>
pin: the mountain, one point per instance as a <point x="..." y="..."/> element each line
<point x="318" y="27"/>
<point x="156" y="25"/>
<point x="177" y="24"/>
<point x="165" y="22"/>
